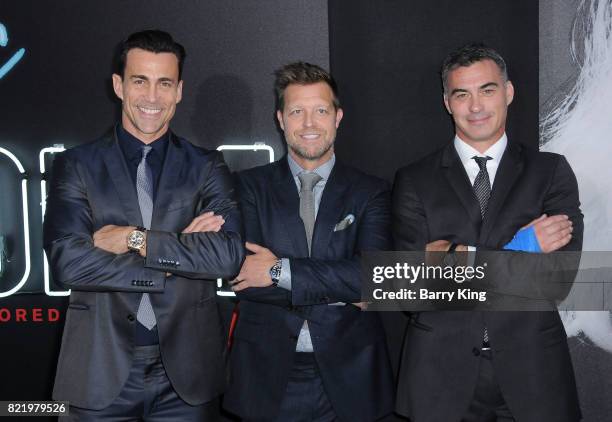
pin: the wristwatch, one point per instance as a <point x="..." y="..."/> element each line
<point x="136" y="240"/>
<point x="275" y="272"/>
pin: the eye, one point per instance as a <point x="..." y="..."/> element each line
<point x="322" y="111"/>
<point x="167" y="84"/>
<point x="295" y="112"/>
<point x="461" y="95"/>
<point x="139" y="82"/>
<point x="488" y="92"/>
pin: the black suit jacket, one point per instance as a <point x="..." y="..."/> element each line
<point x="349" y="344"/>
<point x="433" y="199"/>
<point x="91" y="188"/>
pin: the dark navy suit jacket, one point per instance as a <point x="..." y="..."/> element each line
<point x="433" y="199"/>
<point x="91" y="188"/>
<point x="349" y="344"/>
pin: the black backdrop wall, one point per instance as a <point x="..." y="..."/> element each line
<point x="387" y="56"/>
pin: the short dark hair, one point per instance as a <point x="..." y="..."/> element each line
<point x="302" y="73"/>
<point x="152" y="40"/>
<point x="468" y="55"/>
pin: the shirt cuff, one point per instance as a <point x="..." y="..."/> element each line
<point x="284" y="280"/>
<point x="471" y="257"/>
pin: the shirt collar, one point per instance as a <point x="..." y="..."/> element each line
<point x="132" y="146"/>
<point x="324" y="170"/>
<point x="466" y="152"/>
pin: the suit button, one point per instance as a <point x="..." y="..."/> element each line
<point x="150" y="283"/>
<point x="178" y="263"/>
<point x="159" y="260"/>
<point x="476" y="351"/>
<point x="133" y="282"/>
<point x="131" y="318"/>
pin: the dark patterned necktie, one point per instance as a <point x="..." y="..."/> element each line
<point x="482" y="188"/>
<point x="482" y="184"/>
<point x="144" y="189"/>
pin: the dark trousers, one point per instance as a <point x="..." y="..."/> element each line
<point x="305" y="399"/>
<point x="488" y="404"/>
<point x="147" y="396"/>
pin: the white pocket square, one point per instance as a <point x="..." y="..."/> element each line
<point x="344" y="223"/>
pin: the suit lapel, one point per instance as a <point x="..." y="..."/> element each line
<point x="288" y="200"/>
<point x="168" y="180"/>
<point x="330" y="209"/>
<point x="458" y="179"/>
<point x="119" y="174"/>
<point x="510" y="168"/>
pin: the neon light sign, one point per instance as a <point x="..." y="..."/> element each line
<point x="18" y="55"/>
<point x="26" y="224"/>
<point x="257" y="146"/>
<point x="43" y="204"/>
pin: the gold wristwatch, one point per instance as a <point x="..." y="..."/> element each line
<point x="137" y="239"/>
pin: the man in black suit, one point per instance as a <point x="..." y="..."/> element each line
<point x="133" y="227"/>
<point x="476" y="194"/>
<point x="303" y="350"/>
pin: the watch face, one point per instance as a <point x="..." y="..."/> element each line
<point x="136" y="240"/>
<point x="275" y="272"/>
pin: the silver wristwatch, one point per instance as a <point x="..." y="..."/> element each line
<point x="275" y="272"/>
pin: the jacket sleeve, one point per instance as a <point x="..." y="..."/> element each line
<point x="542" y="276"/>
<point x="205" y="255"/>
<point x="252" y="233"/>
<point x="67" y="231"/>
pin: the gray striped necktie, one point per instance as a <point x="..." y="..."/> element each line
<point x="144" y="189"/>
<point x="307" y="214"/>
<point x="482" y="188"/>
<point x="307" y="203"/>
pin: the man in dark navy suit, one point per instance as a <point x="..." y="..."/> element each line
<point x="479" y="193"/>
<point x="303" y="349"/>
<point x="133" y="227"/>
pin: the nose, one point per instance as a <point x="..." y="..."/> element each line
<point x="307" y="122"/>
<point x="475" y="104"/>
<point x="152" y="93"/>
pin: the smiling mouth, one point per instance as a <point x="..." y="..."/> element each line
<point x="149" y="110"/>
<point x="478" y="120"/>
<point x="310" y="136"/>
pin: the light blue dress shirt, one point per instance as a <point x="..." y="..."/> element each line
<point x="304" y="343"/>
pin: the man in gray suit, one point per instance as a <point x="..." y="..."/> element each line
<point x="133" y="227"/>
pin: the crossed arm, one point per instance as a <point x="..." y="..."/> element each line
<point x="314" y="281"/>
<point x="97" y="260"/>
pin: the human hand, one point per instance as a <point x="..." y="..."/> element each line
<point x="112" y="238"/>
<point x="552" y="233"/>
<point x="255" y="271"/>
<point x="207" y="222"/>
